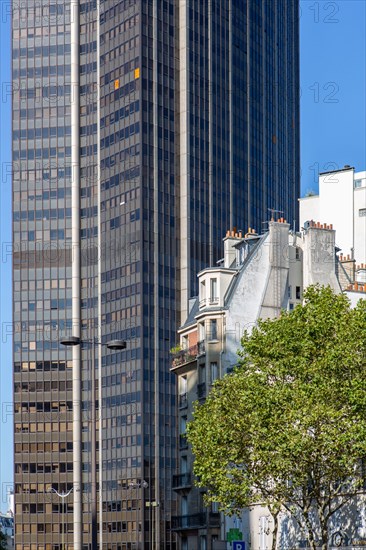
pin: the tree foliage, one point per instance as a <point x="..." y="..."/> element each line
<point x="3" y="544"/>
<point x="288" y="427"/>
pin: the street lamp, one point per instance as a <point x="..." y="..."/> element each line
<point x="62" y="496"/>
<point x="114" y="345"/>
<point x="151" y="505"/>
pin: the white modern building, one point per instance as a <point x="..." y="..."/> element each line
<point x="341" y="201"/>
<point x="7" y="528"/>
<point x="258" y="277"/>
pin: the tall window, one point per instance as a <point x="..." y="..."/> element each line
<point x="214" y="372"/>
<point x="213" y="329"/>
<point x="183" y="385"/>
<point x="213" y="290"/>
<point x="183" y="424"/>
<point x="184" y="505"/>
<point x="202" y="292"/>
<point x="183" y="465"/>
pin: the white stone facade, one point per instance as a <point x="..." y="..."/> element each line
<point x="342" y="202"/>
<point x="258" y="276"/>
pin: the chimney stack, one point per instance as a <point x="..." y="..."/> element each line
<point x="232" y="238"/>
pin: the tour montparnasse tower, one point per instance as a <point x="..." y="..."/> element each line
<point x="142" y="131"/>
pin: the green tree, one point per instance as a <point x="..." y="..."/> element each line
<point x="288" y="427"/>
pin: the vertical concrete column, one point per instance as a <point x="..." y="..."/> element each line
<point x="99" y="336"/>
<point x="232" y="221"/>
<point x="75" y="217"/>
<point x="249" y="119"/>
<point x="210" y="130"/>
<point x="155" y="533"/>
<point x="184" y="230"/>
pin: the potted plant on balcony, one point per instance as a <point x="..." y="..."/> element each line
<point x="175" y="352"/>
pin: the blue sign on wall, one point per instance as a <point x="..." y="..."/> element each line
<point x="239" y="545"/>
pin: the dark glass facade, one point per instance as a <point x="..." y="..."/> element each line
<point x="188" y="125"/>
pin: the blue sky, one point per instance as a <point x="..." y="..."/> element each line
<point x="333" y="91"/>
<point x="333" y="128"/>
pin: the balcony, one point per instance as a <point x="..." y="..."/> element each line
<point x="185" y="356"/>
<point x="196" y="521"/>
<point x="188" y="522"/>
<point x="182" y="481"/>
<point x="209" y="302"/>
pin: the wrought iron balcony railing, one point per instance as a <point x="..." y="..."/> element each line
<point x="187" y="355"/>
<point x="188" y="522"/>
<point x="197" y="521"/>
<point x="182" y="481"/>
<point x="184" y="356"/>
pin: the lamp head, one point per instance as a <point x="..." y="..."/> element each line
<point x="116" y="344"/>
<point x="70" y="341"/>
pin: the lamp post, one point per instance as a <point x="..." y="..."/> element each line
<point x="62" y="496"/>
<point x="112" y="345"/>
<point x="152" y="505"/>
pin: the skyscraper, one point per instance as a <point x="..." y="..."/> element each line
<point x="142" y="130"/>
